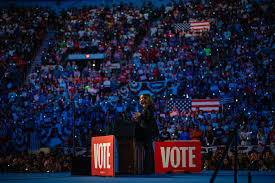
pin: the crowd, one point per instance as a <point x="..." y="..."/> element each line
<point x="231" y="59"/>
<point x="246" y="161"/>
<point x="22" y="31"/>
<point x="35" y="163"/>
<point x="114" y="31"/>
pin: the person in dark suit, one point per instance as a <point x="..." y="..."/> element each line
<point x="147" y="125"/>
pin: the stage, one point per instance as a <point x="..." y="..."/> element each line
<point x="203" y="177"/>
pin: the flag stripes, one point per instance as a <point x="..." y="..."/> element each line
<point x="206" y="104"/>
<point x="200" y="26"/>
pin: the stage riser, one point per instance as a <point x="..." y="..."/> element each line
<point x="81" y="166"/>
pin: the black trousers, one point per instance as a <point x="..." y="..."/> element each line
<point x="145" y="137"/>
<point x="148" y="162"/>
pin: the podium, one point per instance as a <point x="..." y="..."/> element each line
<point x="117" y="154"/>
<point x="130" y="149"/>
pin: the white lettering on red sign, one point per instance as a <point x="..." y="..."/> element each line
<point x="168" y="155"/>
<point x="102" y="155"/>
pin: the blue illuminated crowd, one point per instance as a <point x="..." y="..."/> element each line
<point x="231" y="60"/>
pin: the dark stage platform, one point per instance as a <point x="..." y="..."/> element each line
<point x="204" y="177"/>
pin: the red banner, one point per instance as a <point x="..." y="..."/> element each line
<point x="102" y="155"/>
<point x="177" y="156"/>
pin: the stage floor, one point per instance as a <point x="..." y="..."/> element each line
<point x="204" y="177"/>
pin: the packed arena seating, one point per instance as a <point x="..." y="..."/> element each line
<point x="21" y="31"/>
<point x="231" y="57"/>
<point x="114" y="31"/>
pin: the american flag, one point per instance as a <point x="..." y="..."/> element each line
<point x="206" y="104"/>
<point x="186" y="104"/>
<point x="193" y="25"/>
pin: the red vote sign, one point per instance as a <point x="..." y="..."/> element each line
<point x="102" y="155"/>
<point x="177" y="156"/>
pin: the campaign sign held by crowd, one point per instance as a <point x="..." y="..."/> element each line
<point x="177" y="156"/>
<point x="102" y="154"/>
